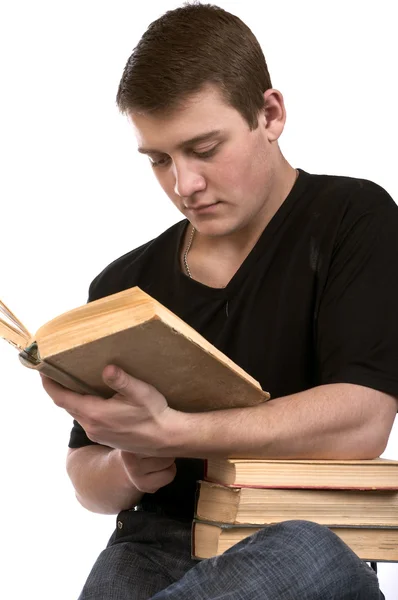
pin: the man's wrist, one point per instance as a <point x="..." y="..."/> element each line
<point x="177" y="435"/>
<point x="196" y="435"/>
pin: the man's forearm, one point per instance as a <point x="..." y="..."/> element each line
<point x="328" y="422"/>
<point x="100" y="481"/>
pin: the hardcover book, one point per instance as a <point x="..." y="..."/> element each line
<point x="137" y="333"/>
<point x="369" y="543"/>
<point x="262" y="506"/>
<point x="374" y="474"/>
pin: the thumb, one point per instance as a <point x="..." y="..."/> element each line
<point x="117" y="379"/>
<point x="123" y="383"/>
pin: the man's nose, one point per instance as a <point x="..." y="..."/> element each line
<point x="187" y="180"/>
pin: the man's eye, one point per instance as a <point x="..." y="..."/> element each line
<point x="206" y="154"/>
<point x="162" y="162"/>
<point x="159" y="163"/>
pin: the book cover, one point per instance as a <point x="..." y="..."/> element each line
<point x="137" y="333"/>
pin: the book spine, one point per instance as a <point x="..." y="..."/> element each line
<point x="30" y="357"/>
<point x="66" y="379"/>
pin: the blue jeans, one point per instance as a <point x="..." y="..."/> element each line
<point x="148" y="557"/>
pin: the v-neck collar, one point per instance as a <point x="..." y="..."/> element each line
<point x="257" y="250"/>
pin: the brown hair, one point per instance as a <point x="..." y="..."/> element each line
<point x="186" y="49"/>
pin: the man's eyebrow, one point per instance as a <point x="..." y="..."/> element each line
<point x="195" y="140"/>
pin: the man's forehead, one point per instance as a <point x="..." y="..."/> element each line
<point x="200" y="117"/>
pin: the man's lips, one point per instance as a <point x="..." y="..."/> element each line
<point x="202" y="207"/>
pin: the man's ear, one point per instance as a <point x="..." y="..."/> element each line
<point x="273" y="114"/>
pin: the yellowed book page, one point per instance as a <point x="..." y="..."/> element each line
<point x="260" y="506"/>
<point x="370" y="544"/>
<point x="13" y="320"/>
<point x="12" y="335"/>
<point x="349" y="474"/>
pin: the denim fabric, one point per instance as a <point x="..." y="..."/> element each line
<point x="146" y="553"/>
<point x="148" y="557"/>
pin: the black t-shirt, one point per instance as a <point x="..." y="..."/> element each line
<point x="313" y="303"/>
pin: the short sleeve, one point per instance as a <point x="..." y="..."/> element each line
<point x="78" y="436"/>
<point x="357" y="324"/>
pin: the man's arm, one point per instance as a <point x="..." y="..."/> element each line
<point x="336" y="421"/>
<point x="107" y="480"/>
<point x="330" y="421"/>
<point x="100" y="481"/>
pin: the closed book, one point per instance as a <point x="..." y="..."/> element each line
<point x="258" y="506"/>
<point x="374" y="474"/>
<point x="369" y="543"/>
<point x="137" y="333"/>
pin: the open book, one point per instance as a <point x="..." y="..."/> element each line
<point x="137" y="333"/>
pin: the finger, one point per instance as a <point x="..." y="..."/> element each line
<point x="153" y="481"/>
<point x="122" y="382"/>
<point x="140" y="465"/>
<point x="151" y="464"/>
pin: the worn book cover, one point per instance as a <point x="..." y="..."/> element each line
<point x="137" y="333"/>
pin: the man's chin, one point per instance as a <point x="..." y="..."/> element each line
<point x="216" y="228"/>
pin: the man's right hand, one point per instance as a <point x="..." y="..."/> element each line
<point x="148" y="473"/>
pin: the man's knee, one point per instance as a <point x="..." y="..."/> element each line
<point x="319" y="558"/>
<point x="308" y="542"/>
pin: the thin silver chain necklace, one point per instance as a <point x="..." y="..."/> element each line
<point x="187" y="249"/>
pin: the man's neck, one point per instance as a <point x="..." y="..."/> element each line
<point x="240" y="242"/>
<point x="214" y="260"/>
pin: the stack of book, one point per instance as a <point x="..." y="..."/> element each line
<point x="357" y="500"/>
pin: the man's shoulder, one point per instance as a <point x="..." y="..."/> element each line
<point x="338" y="203"/>
<point x="125" y="271"/>
<point x="346" y="214"/>
<point x="351" y="192"/>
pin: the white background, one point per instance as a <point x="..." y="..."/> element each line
<point x="75" y="195"/>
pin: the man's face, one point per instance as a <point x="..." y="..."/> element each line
<point x="220" y="182"/>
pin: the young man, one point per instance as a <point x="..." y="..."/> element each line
<point x="292" y="275"/>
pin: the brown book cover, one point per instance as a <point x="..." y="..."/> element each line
<point x="263" y="506"/>
<point x="373" y="474"/>
<point x="378" y="544"/>
<point x="137" y="333"/>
